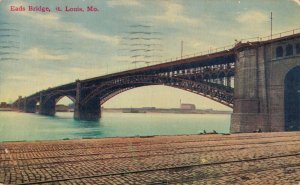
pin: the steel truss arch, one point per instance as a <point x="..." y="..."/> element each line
<point x="219" y="93"/>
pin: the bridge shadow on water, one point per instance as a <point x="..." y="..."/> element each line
<point x="84" y="129"/>
<point x="89" y="129"/>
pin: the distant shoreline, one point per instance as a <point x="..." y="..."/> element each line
<point x="6" y="109"/>
<point x="161" y="110"/>
<point x="141" y="110"/>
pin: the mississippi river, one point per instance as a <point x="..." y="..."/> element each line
<point x="15" y="126"/>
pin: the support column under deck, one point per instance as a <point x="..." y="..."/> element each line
<point x="19" y="104"/>
<point x="30" y="107"/>
<point x="47" y="108"/>
<point x="249" y="112"/>
<point x="23" y="108"/>
<point x="90" y="111"/>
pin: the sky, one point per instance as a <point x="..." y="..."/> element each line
<point x="46" y="49"/>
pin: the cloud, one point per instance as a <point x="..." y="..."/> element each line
<point x="297" y="2"/>
<point x="174" y="13"/>
<point x="49" y="17"/>
<point x="51" y="20"/>
<point x="41" y="54"/>
<point x="88" y="72"/>
<point x="85" y="33"/>
<point x="192" y="45"/>
<point x="17" y="77"/>
<point x="252" y="17"/>
<point x="112" y="3"/>
<point x="201" y="46"/>
<point x="121" y="58"/>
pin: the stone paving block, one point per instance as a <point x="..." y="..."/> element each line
<point x="262" y="158"/>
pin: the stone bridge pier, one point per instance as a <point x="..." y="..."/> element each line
<point x="47" y="107"/>
<point x="30" y="106"/>
<point x="250" y="110"/>
<point x="20" y="104"/>
<point x="88" y="111"/>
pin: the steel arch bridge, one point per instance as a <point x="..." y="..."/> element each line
<point x="209" y="76"/>
<point x="265" y="85"/>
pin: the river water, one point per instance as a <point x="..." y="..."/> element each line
<point x="15" y="126"/>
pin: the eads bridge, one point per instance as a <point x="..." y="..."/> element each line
<point x="265" y="94"/>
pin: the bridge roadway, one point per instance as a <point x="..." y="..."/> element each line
<point x="256" y="158"/>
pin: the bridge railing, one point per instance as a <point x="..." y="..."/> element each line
<point x="273" y="36"/>
<point x="228" y="47"/>
<point x="201" y="53"/>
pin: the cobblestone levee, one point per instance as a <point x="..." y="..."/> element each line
<point x="253" y="158"/>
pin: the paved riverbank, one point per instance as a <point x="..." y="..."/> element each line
<point x="256" y="158"/>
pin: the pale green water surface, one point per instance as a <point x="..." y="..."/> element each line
<point x="15" y="126"/>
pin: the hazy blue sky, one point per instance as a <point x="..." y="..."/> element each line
<point x="40" y="50"/>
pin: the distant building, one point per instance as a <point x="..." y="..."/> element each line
<point x="61" y="108"/>
<point x="71" y="106"/>
<point x="148" y="108"/>
<point x="4" y="105"/>
<point x="187" y="106"/>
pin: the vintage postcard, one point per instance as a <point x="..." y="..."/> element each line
<point x="149" y="92"/>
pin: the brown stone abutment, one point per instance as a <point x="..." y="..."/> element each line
<point x="259" y="85"/>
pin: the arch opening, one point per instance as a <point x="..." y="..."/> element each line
<point x="160" y="96"/>
<point x="298" y="48"/>
<point x="289" y="50"/>
<point x="219" y="93"/>
<point x="64" y="104"/>
<point x="37" y="106"/>
<point x="292" y="100"/>
<point x="279" y="51"/>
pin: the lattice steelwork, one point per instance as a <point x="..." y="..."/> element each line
<point x="210" y="76"/>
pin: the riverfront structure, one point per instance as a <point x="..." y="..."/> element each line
<point x="257" y="158"/>
<point x="264" y="95"/>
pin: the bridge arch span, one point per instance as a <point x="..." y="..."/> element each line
<point x="49" y="101"/>
<point x="218" y="93"/>
<point x="110" y="95"/>
<point x="73" y="99"/>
